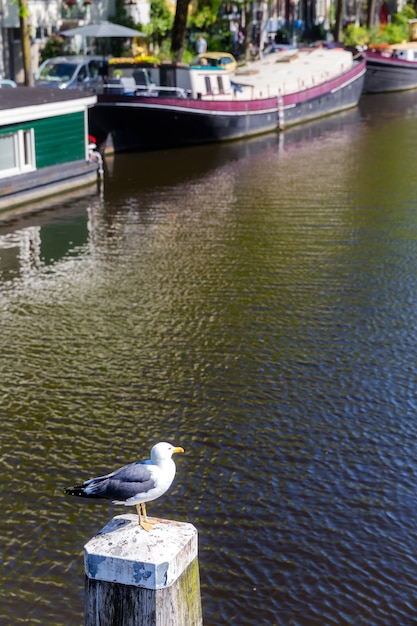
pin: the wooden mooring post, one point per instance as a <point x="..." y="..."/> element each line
<point x="139" y="578"/>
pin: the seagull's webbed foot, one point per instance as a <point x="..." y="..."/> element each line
<point x="145" y="525"/>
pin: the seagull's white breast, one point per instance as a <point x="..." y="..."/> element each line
<point x="162" y="474"/>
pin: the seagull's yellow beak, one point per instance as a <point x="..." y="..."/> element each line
<point x="178" y="449"/>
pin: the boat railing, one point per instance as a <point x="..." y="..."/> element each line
<point x="177" y="92"/>
<point x="118" y="87"/>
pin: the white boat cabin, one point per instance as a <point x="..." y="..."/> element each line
<point x="406" y="51"/>
<point x="170" y="80"/>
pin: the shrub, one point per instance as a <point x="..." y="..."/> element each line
<point x="356" y="35"/>
<point x="395" y="32"/>
<point x="54" y="47"/>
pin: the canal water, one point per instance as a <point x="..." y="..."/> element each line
<point x="255" y="303"/>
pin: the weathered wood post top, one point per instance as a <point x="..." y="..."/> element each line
<point x="143" y="576"/>
<point x="123" y="552"/>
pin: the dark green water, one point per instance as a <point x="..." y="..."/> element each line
<point x="256" y="304"/>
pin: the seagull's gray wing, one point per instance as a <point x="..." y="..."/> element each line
<point x="124" y="483"/>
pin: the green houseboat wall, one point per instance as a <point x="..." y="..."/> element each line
<point x="52" y="152"/>
<point x="59" y="139"/>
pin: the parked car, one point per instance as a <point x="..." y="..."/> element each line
<point x="6" y="82"/>
<point x="217" y="59"/>
<point x="71" y="72"/>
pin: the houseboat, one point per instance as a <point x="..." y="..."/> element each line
<point x="391" y="67"/>
<point x="44" y="145"/>
<point x="145" y="107"/>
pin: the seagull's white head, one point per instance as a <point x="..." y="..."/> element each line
<point x="163" y="451"/>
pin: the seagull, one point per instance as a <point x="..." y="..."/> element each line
<point x="136" y="483"/>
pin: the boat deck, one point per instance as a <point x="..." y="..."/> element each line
<point x="286" y="72"/>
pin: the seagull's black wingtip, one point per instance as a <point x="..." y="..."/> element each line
<point x="74" y="491"/>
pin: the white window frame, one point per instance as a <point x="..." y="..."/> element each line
<point x="24" y="146"/>
<point x="209" y="89"/>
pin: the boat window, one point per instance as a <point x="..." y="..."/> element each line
<point x="7" y="153"/>
<point x="27" y="150"/>
<point x="220" y="84"/>
<point x="17" y="153"/>
<point x="208" y="84"/>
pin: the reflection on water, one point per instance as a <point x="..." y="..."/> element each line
<point x="255" y="304"/>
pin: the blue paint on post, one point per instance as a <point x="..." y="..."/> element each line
<point x="93" y="562"/>
<point x="162" y="575"/>
<point x="140" y="573"/>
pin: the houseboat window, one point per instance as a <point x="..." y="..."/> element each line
<point x="208" y="84"/>
<point x="28" y="150"/>
<point x="17" y="153"/>
<point x="220" y="84"/>
<point x="7" y="153"/>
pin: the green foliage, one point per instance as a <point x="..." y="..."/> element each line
<point x="356" y="35"/>
<point x="332" y="15"/>
<point x="395" y="32"/>
<point x="122" y="16"/>
<point x="203" y="19"/>
<point x="54" y="47"/>
<point x="165" y="50"/>
<point x="188" y="56"/>
<point x="221" y="41"/>
<point x="408" y="13"/>
<point x="391" y="33"/>
<point x="206" y="16"/>
<point x="161" y="22"/>
<point x="23" y="11"/>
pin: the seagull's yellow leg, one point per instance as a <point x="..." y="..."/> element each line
<point x="145" y="517"/>
<point x="142" y="522"/>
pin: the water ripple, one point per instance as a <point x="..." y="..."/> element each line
<point x="261" y="315"/>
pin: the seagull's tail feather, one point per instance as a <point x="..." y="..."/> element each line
<point x="79" y="490"/>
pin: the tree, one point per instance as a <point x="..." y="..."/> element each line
<point x="25" y="39"/>
<point x="370" y="19"/>
<point x="338" y="28"/>
<point x="179" y="30"/>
